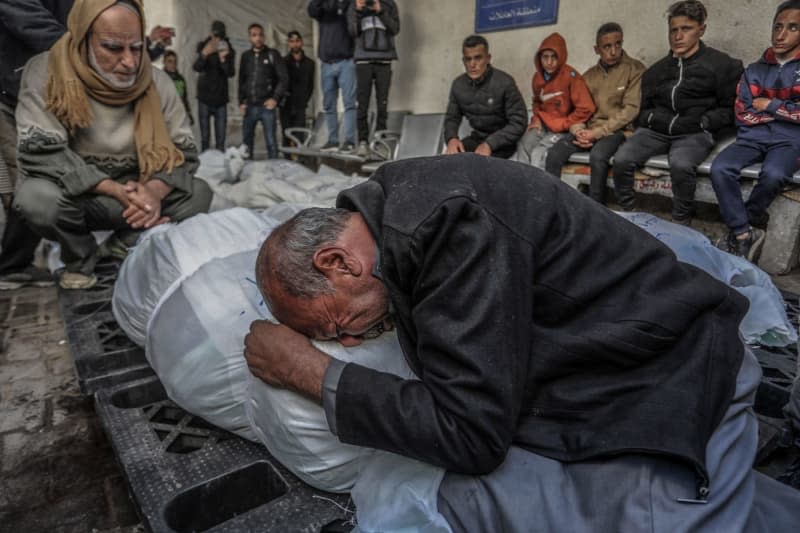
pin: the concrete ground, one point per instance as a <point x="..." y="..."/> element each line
<point x="57" y="469"/>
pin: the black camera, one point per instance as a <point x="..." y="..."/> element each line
<point x="369" y="3"/>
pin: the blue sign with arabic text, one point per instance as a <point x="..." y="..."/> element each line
<point x="495" y="15"/>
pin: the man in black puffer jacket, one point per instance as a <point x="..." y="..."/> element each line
<point x="687" y="98"/>
<point x="490" y="100"/>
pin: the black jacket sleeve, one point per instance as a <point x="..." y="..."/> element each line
<point x="390" y="17"/>
<point x="452" y="119"/>
<point x="319" y="9"/>
<point x="229" y="65"/>
<point x="517" y="116"/>
<point x="472" y="328"/>
<point x="242" y="79"/>
<point x="722" y="116"/>
<point x="31" y="23"/>
<point x="282" y="73"/>
<point x="199" y="64"/>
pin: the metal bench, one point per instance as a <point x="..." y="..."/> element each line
<point x="420" y="136"/>
<point x="782" y="244"/>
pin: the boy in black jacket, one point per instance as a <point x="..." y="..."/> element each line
<point x="687" y="97"/>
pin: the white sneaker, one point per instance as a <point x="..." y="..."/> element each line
<point x="363" y="150"/>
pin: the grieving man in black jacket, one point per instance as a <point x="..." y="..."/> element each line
<point x="532" y="317"/>
<point x="263" y="82"/>
<point x="491" y="102"/>
<point x="687" y="98"/>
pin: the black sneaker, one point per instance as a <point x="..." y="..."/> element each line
<point x="330" y="147"/>
<point x="348" y="148"/>
<point x="686" y="221"/>
<point x="726" y="244"/>
<point x="749" y="248"/>
<point x="30" y="277"/>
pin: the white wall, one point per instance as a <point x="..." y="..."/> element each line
<point x="432" y="31"/>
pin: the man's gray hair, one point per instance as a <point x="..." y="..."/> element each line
<point x="288" y="253"/>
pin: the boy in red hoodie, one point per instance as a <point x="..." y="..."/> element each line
<point x="560" y="100"/>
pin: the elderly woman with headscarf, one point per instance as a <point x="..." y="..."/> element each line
<point x="104" y="140"/>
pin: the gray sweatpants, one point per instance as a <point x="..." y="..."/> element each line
<point x="70" y="220"/>
<point x="633" y="493"/>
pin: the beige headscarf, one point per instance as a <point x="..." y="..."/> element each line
<point x="72" y="81"/>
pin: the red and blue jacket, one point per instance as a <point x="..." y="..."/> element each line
<point x="766" y="78"/>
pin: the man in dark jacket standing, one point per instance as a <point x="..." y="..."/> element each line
<point x="338" y="70"/>
<point x="490" y="100"/>
<point x="301" y="85"/>
<point x="516" y="340"/>
<point x="373" y="24"/>
<point x="215" y="63"/>
<point x="263" y="82"/>
<point x="687" y="97"/>
<point x="27" y="27"/>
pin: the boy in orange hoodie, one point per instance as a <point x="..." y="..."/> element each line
<point x="560" y="100"/>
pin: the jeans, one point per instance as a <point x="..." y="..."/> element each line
<point x="252" y="116"/>
<point x="69" y="220"/>
<point x="600" y="154"/>
<point x="19" y="240"/>
<point x="534" y="146"/>
<point x="779" y="161"/>
<point x="220" y="114"/>
<point x="379" y="74"/>
<point x="335" y="76"/>
<point x="685" y="153"/>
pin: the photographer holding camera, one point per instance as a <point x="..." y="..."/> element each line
<point x="215" y="64"/>
<point x="373" y="24"/>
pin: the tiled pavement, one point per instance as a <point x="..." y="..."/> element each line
<point x="57" y="470"/>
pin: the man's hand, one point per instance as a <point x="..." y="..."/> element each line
<point x="271" y="103"/>
<point x="360" y="4"/>
<point x="162" y="35"/>
<point x="536" y="123"/>
<point x="584" y="138"/>
<point x="760" y="104"/>
<point x="281" y="357"/>
<point x="242" y="108"/>
<point x="376" y="7"/>
<point x="223" y="54"/>
<point x="484" y="149"/>
<point x="455" y="146"/>
<point x="210" y="47"/>
<point x="144" y="209"/>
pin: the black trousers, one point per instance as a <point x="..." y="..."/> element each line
<point x="367" y="75"/>
<point x="685" y="152"/>
<point x="292" y="118"/>
<point x="19" y="240"/>
<point x="471" y="142"/>
<point x="599" y="155"/>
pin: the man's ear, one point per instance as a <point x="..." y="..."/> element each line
<point x="336" y="261"/>
<point x="703" y="30"/>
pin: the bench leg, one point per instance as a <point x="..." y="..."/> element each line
<point x="781" y="246"/>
